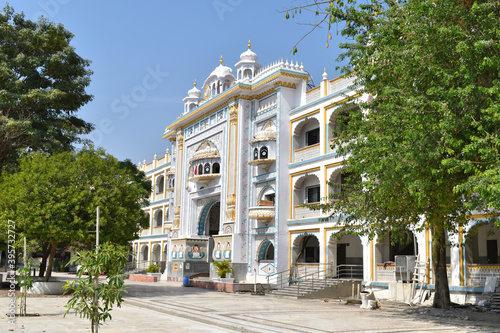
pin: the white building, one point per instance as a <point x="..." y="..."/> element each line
<point x="248" y="149"/>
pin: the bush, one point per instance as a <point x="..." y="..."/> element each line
<point x="152" y="269"/>
<point x="223" y="267"/>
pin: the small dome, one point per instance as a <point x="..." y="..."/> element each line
<point x="266" y="134"/>
<point x="207" y="152"/>
<point x="195" y="92"/>
<point x="248" y="55"/>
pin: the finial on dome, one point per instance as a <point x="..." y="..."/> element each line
<point x="249" y="45"/>
<point x="195" y="82"/>
<point x="220" y="61"/>
<point x="325" y="76"/>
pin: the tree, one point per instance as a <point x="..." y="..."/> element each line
<point x="53" y="199"/>
<point x="421" y="153"/>
<point x="90" y="298"/>
<point x="42" y="86"/>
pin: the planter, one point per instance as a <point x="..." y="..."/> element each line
<point x="223" y="280"/>
<point x="47" y="288"/>
<point x="157" y="275"/>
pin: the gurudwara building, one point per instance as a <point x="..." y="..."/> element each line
<point x="251" y="145"/>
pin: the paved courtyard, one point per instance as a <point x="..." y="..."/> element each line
<point x="169" y="307"/>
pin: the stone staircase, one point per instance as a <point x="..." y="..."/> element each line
<point x="495" y="302"/>
<point x="317" y="288"/>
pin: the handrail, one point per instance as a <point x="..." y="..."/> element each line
<point x="320" y="271"/>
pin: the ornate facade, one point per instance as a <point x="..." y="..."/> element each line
<point x="248" y="149"/>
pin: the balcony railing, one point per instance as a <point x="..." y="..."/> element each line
<point x="306" y="153"/>
<point x="305" y="212"/>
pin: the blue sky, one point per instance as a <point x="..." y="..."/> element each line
<point x="146" y="55"/>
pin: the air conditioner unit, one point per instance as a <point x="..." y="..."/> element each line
<point x="405" y="266"/>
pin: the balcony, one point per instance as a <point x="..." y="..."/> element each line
<point x="306" y="212"/>
<point x="306" y="153"/>
<point x="266" y="163"/>
<point x="204" y="179"/>
<point x="264" y="212"/>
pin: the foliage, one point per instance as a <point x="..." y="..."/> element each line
<point x="53" y="199"/>
<point x="25" y="282"/>
<point x="152" y="269"/>
<point x="223" y="268"/>
<point x="424" y="150"/>
<point x="42" y="85"/>
<point x="107" y="258"/>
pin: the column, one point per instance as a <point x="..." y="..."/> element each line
<point x="178" y="179"/>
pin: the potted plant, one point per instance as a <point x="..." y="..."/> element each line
<point x="154" y="270"/>
<point x="223" y="269"/>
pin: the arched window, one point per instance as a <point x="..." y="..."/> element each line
<point x="216" y="168"/>
<point x="264" y="153"/>
<point x="200" y="169"/>
<point x="207" y="168"/>
<point x="269" y="255"/>
<point x="159" y="184"/>
<point x="256" y="154"/>
<point x="158" y="218"/>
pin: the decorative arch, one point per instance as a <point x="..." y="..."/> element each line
<point x="144" y="252"/>
<point x="155" y="256"/>
<point x="158" y="218"/>
<point x="160" y="184"/>
<point x="203" y="216"/>
<point x="305" y="249"/>
<point x="266" y="251"/>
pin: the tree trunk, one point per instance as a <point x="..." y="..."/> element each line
<point x="442" y="294"/>
<point x="45" y="255"/>
<point x="52" y="254"/>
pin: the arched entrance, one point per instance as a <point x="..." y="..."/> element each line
<point x="156" y="253"/>
<point x="306" y="250"/>
<point x="345" y="256"/>
<point x="209" y="223"/>
<point x="144" y="253"/>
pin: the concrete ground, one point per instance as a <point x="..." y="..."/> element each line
<point x="169" y="307"/>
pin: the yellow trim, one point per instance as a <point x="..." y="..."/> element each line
<point x="291" y="143"/>
<point x="339" y="78"/>
<point x="307" y="147"/>
<point x="313" y="89"/>
<point x="304" y="171"/>
<point x="289" y="250"/>
<point x="326" y="174"/>
<point x="202" y="109"/>
<point x="236" y="156"/>
<point x="291" y="197"/>
<point x="341" y="101"/>
<point x="326" y="88"/>
<point x="478" y="216"/>
<point x="327" y="129"/>
<point x="304" y="116"/>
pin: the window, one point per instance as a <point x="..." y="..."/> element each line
<point x="159" y="184"/>
<point x="216" y="168"/>
<point x="312" y="137"/>
<point x="270" y="197"/>
<point x="207" y="168"/>
<point x="263" y="153"/>
<point x="200" y="169"/>
<point x="256" y="154"/>
<point x="312" y="194"/>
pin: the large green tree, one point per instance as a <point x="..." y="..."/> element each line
<point x="423" y="152"/>
<point x="53" y="199"/>
<point x="42" y="86"/>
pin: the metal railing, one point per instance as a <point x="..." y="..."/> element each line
<point x="142" y="265"/>
<point x="313" y="276"/>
